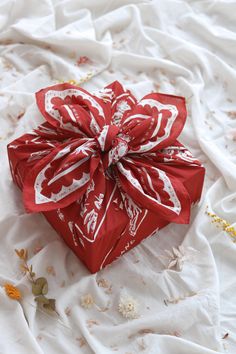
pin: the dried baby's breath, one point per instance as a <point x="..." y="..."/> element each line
<point x="128" y="307"/>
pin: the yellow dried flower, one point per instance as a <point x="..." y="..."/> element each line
<point x="86" y="301"/>
<point x="72" y="82"/>
<point x="82" y="80"/>
<point x="223" y="224"/>
<point x="12" y="291"/>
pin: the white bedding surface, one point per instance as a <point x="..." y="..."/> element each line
<point x="186" y="48"/>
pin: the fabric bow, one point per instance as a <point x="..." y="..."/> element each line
<point x="108" y="135"/>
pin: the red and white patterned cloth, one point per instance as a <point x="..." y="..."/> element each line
<point x="103" y="152"/>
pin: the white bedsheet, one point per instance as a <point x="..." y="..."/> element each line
<point x="180" y="47"/>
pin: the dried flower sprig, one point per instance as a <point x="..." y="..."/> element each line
<point x="39" y="285"/>
<point x="223" y="224"/>
<point x="83" y="79"/>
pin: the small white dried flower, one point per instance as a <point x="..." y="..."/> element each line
<point x="87" y="301"/>
<point x="178" y="256"/>
<point x="128" y="307"/>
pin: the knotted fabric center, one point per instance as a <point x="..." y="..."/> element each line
<point x="112" y="144"/>
<point x="106" y="136"/>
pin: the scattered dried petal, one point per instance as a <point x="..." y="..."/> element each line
<point x="82" y="341"/>
<point x="109" y="290"/>
<point x="106" y="308"/>
<point x="176" y="334"/>
<point x="68" y="311"/>
<point x="102" y="283"/>
<point x="63" y="283"/>
<point x="145" y="331"/>
<point x="91" y="323"/>
<point x="180" y="298"/>
<point x="51" y="270"/>
<point x="83" y="60"/>
<point x="37" y="249"/>
<point x="20" y="115"/>
<point x="141" y="344"/>
<point x="232" y="114"/>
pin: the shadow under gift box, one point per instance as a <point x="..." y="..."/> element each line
<point x="119" y="237"/>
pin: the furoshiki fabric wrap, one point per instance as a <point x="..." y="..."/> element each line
<point x="106" y="170"/>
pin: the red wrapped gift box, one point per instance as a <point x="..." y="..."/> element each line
<point x="106" y="170"/>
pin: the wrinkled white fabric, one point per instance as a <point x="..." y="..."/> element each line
<point x="179" y="47"/>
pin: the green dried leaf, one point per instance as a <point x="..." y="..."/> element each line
<point x="36" y="290"/>
<point x="51" y="306"/>
<point x="42" y="300"/>
<point x="38" y="285"/>
<point x="45" y="289"/>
